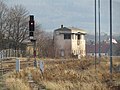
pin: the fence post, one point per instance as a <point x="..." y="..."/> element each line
<point x="42" y="66"/>
<point x="17" y="65"/>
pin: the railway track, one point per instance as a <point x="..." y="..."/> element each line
<point x="8" y="66"/>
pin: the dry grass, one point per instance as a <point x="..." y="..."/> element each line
<point x="67" y="75"/>
<point x="16" y="84"/>
<point x="67" y="85"/>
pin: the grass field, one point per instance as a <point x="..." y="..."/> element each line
<point x="67" y="75"/>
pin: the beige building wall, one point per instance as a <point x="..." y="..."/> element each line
<point x="78" y="46"/>
<point x="62" y="47"/>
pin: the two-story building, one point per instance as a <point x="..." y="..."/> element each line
<point x="69" y="41"/>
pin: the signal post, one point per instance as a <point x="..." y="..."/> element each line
<point x="32" y="38"/>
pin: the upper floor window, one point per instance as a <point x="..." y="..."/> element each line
<point x="67" y="36"/>
<point x="78" y="36"/>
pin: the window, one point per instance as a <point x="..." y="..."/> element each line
<point x="78" y="36"/>
<point x="67" y="36"/>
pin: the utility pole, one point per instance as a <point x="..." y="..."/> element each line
<point x="95" y="34"/>
<point x="99" y="31"/>
<point x="111" y="38"/>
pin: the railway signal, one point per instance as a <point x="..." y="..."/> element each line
<point x="31" y="36"/>
<point x="31" y="27"/>
<point x="31" y="23"/>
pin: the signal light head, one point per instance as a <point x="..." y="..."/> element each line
<point x="31" y="25"/>
<point x="31" y="33"/>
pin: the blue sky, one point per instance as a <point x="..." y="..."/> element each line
<point x="77" y="13"/>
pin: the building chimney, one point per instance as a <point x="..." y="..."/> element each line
<point x="61" y="26"/>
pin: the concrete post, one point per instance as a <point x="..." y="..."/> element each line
<point x="17" y="65"/>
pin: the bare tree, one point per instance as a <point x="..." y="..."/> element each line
<point x="17" y="25"/>
<point x="3" y="16"/>
<point x="45" y="44"/>
<point x="14" y="26"/>
<point x="18" y="17"/>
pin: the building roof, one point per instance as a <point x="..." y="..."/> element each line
<point x="70" y="28"/>
<point x="64" y="28"/>
<point x="91" y="48"/>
